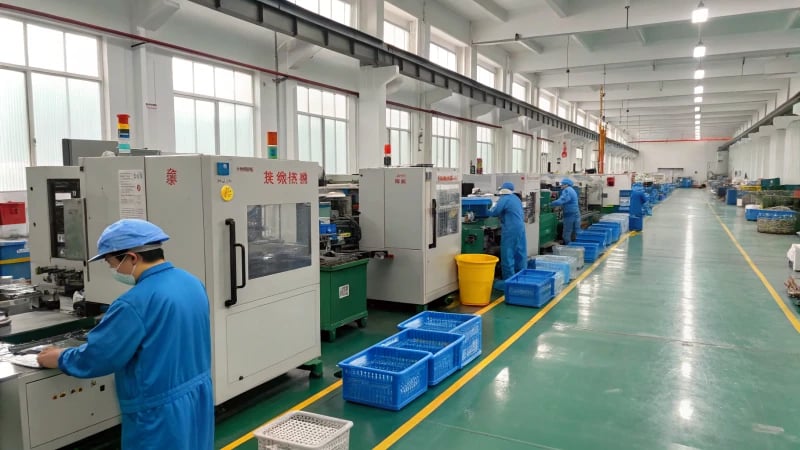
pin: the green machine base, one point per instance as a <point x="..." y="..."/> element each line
<point x="343" y="296"/>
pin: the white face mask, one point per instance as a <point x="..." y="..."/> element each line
<point x="121" y="277"/>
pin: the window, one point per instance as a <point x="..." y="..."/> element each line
<point x="338" y="10"/>
<point x="544" y="155"/>
<point x="563" y="110"/>
<point x="545" y="101"/>
<point x="486" y="76"/>
<point x="213" y="109"/>
<point x="519" y="91"/>
<point x="59" y="73"/>
<point x="519" y="146"/>
<point x="443" y="57"/>
<point x="398" y="125"/>
<point x="593" y="123"/>
<point x="445" y="143"/>
<point x="578" y="153"/>
<point x="395" y="35"/>
<point x="322" y="120"/>
<point x="580" y="118"/>
<point x="485" y="148"/>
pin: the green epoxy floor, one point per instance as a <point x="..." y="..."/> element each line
<point x="671" y="343"/>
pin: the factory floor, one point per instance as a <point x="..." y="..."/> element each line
<point x="673" y="340"/>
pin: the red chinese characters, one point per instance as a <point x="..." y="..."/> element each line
<point x="303" y="178"/>
<point x="281" y="177"/>
<point x="292" y="177"/>
<point x="269" y="177"/>
<point x="172" y="176"/>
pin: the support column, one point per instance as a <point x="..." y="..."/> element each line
<point x="370" y="17"/>
<point x="770" y="164"/>
<point x="372" y="136"/>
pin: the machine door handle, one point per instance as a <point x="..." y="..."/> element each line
<point x="232" y="245"/>
<point x="434" y="214"/>
<point x="244" y="267"/>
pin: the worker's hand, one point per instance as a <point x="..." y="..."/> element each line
<point x="48" y="357"/>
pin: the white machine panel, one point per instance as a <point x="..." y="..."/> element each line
<point x="72" y="405"/>
<point x="413" y="214"/>
<point x="621" y="182"/>
<point x="100" y="188"/>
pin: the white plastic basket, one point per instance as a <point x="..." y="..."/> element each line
<point x="300" y="430"/>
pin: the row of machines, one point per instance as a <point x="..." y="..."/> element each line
<point x="246" y="227"/>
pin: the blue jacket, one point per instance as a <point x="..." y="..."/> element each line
<point x="509" y="210"/>
<point x="569" y="200"/>
<point x="156" y="340"/>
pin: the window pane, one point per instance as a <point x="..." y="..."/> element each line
<point x="454" y="160"/>
<point x="81" y="54"/>
<point x="341" y="106"/>
<point x="302" y="99"/>
<point x="303" y="138"/>
<point x="244" y="87"/>
<point x="227" y="128"/>
<point x="223" y="84"/>
<point x="13" y="131"/>
<point x="244" y="131"/>
<point x="45" y="48"/>
<point x="325" y="10"/>
<point x="316" y="140"/>
<point x="312" y="5"/>
<point x="519" y="91"/>
<point x="184" y="125"/>
<point x="50" y="116"/>
<point x="485" y="76"/>
<point x="182" y="76"/>
<point x="13" y="38"/>
<point x="314" y="101"/>
<point x="85" y="118"/>
<point x="328" y="105"/>
<point x="405" y="120"/>
<point x="330" y="146"/>
<point x="405" y="148"/>
<point x="206" y="133"/>
<point x="203" y="80"/>
<point x="341" y="148"/>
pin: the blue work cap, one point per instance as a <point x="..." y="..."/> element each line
<point x="508" y="185"/>
<point x="567" y="181"/>
<point x="128" y="234"/>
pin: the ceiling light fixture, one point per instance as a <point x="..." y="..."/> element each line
<point x="697" y="116"/>
<point x="699" y="50"/>
<point x="696" y="109"/>
<point x="699" y="74"/>
<point x="698" y="99"/>
<point x="698" y="89"/>
<point x="700" y="14"/>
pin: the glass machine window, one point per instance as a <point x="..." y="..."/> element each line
<point x="278" y="238"/>
<point x="448" y="201"/>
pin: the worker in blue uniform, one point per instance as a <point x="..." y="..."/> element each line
<point x="155" y="339"/>
<point x="637" y="208"/>
<point x="568" y="200"/>
<point x="513" y="244"/>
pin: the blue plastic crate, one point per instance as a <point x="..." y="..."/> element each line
<point x="613" y="226"/>
<point x="553" y="266"/>
<point x="591" y="250"/>
<point x="10" y="250"/>
<point x="593" y="236"/>
<point x="601" y="229"/>
<point x="533" y="288"/>
<point x="468" y="325"/>
<point x="479" y="206"/>
<point x="385" y="377"/>
<point x="445" y="350"/>
<point x="751" y="213"/>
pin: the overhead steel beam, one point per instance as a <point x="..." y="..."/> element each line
<point x="289" y="19"/>
<point x="781" y="110"/>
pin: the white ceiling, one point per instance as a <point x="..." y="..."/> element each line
<point x="646" y="64"/>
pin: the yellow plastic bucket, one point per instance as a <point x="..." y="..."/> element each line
<point x="475" y="278"/>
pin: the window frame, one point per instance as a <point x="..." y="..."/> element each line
<point x="548" y="97"/>
<point x="489" y="69"/>
<point x="526" y="142"/>
<point x="452" y="137"/>
<point x="490" y="144"/>
<point x="349" y="12"/>
<point x="29" y="71"/>
<point x="253" y="105"/>
<point x="389" y="129"/>
<point x="323" y="120"/>
<point x="525" y="87"/>
<point x="406" y="30"/>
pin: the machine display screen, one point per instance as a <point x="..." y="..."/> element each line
<point x="278" y="238"/>
<point x="447" y="209"/>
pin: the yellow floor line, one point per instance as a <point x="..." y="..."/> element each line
<point x="319" y="395"/>
<point x="482" y="364"/>
<point x="781" y="304"/>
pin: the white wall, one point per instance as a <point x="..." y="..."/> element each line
<point x="695" y="157"/>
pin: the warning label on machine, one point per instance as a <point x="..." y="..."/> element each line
<point x="132" y="198"/>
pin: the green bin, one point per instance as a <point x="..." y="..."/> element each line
<point x="548" y="226"/>
<point x="343" y="296"/>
